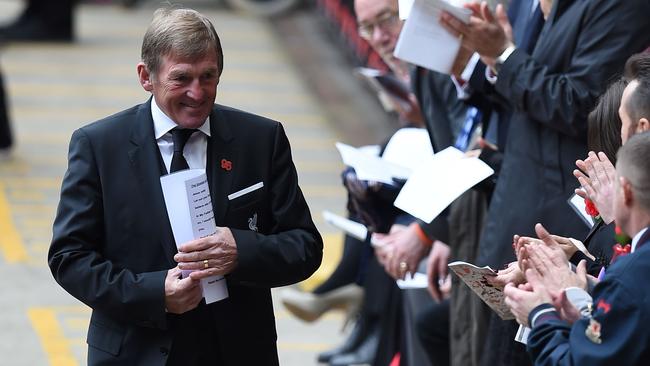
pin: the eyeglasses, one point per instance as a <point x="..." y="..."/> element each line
<point x="385" y="21"/>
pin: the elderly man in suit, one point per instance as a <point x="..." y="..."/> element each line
<point x="113" y="248"/>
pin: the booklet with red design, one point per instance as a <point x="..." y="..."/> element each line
<point x="476" y="278"/>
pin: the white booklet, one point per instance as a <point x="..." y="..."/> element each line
<point x="371" y="167"/>
<point x="439" y="181"/>
<point x="189" y="208"/>
<point x="424" y="42"/>
<point x="476" y="278"/>
<point x="352" y="228"/>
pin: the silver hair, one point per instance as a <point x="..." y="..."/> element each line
<point x="184" y="33"/>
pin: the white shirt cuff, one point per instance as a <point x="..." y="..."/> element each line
<point x="462" y="88"/>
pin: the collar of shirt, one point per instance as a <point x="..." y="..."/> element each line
<point x="637" y="237"/>
<point x="163" y="124"/>
<point x="195" y="151"/>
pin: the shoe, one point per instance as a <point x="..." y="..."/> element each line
<point x="309" y="307"/>
<point x="357" y="335"/>
<point x="364" y="354"/>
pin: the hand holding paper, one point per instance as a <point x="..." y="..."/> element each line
<point x="219" y="250"/>
<point x="189" y="207"/>
<point x="486" y="33"/>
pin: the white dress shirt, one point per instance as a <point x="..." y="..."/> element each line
<point x="196" y="148"/>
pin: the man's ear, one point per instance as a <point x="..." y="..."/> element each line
<point x="643" y="125"/>
<point x="144" y="76"/>
<point x="628" y="194"/>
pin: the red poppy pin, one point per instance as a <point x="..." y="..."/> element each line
<point x="226" y="165"/>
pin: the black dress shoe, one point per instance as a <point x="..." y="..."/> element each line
<point x="35" y="29"/>
<point x="362" y="355"/>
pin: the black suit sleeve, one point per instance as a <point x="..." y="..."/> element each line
<point x="75" y="255"/>
<point x="562" y="100"/>
<point x="293" y="249"/>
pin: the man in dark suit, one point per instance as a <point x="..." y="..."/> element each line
<point x="612" y="330"/>
<point x="113" y="247"/>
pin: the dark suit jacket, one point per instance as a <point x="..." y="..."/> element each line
<point x="112" y="243"/>
<point x="582" y="46"/>
<point x="622" y="311"/>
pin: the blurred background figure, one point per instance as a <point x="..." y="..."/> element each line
<point x="6" y="139"/>
<point x="42" y="20"/>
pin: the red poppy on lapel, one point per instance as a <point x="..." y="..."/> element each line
<point x="603" y="305"/>
<point x="226" y="165"/>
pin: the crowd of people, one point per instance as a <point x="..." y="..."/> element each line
<point x="555" y="97"/>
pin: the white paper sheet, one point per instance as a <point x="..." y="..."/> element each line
<point x="404" y="8"/>
<point x="419" y="280"/>
<point x="424" y="42"/>
<point x="369" y="167"/>
<point x="409" y="147"/>
<point x="438" y="182"/>
<point x="189" y="208"/>
<point x="522" y="334"/>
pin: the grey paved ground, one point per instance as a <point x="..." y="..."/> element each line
<point x="55" y="88"/>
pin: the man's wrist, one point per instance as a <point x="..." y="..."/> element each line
<point x="424" y="239"/>
<point x="541" y="313"/>
<point x="501" y="59"/>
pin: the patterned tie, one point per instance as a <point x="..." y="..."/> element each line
<point x="180" y="137"/>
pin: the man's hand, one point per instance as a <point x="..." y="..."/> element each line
<point x="598" y="183"/>
<point x="567" y="311"/>
<point x="549" y="264"/>
<point x="437" y="270"/>
<point x="181" y="295"/>
<point x="513" y="274"/>
<point x="209" y="256"/>
<point x="401" y="251"/>
<point x="523" y="299"/>
<point x="485" y="33"/>
<point x="564" y="243"/>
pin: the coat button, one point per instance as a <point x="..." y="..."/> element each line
<point x="164" y="350"/>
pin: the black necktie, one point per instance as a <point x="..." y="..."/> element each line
<point x="180" y="137"/>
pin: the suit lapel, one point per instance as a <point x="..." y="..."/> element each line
<point x="145" y="162"/>
<point x="222" y="163"/>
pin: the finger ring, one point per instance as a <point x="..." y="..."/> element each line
<point x="403" y="266"/>
<point x="205" y="264"/>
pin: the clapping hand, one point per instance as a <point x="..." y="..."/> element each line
<point x="597" y="176"/>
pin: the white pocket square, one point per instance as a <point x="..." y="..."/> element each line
<point x="246" y="190"/>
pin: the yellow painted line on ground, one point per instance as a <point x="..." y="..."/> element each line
<point x="10" y="240"/>
<point x="51" y="335"/>
<point x="332" y="252"/>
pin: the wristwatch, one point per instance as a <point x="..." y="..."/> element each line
<point x="503" y="57"/>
